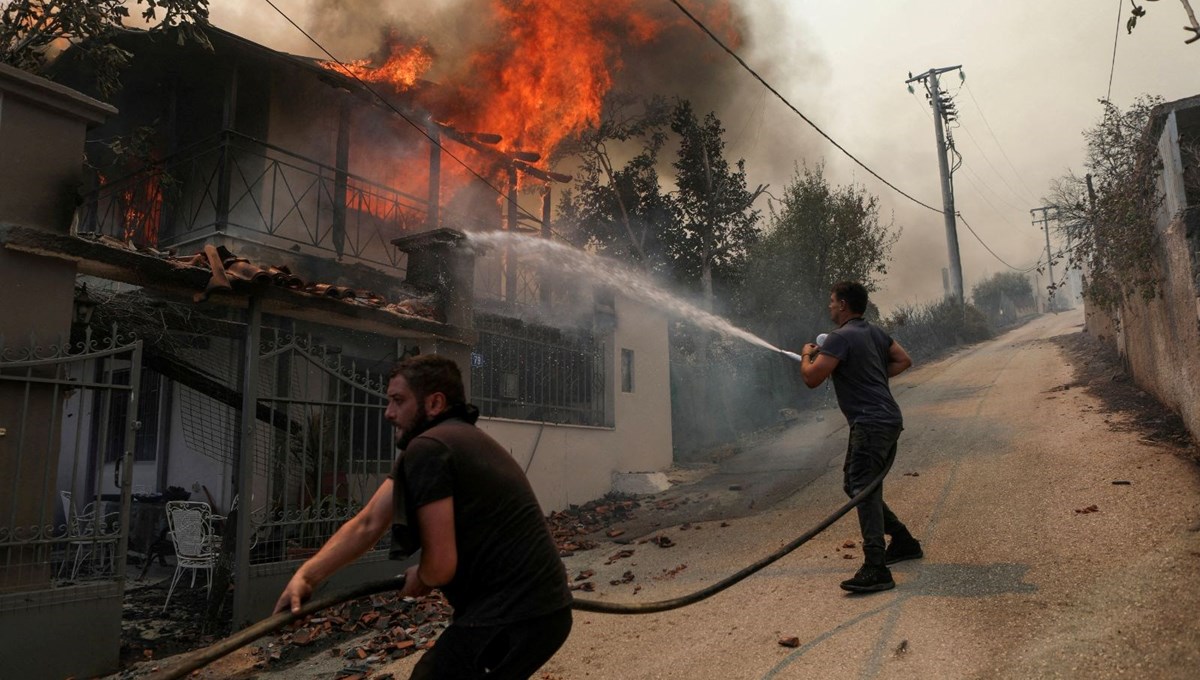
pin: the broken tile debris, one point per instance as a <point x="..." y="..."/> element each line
<point x="663" y="541"/>
<point x="670" y="573"/>
<point x="570" y="526"/>
<point x="402" y="626"/>
<point x="627" y="577"/>
<point x="620" y="555"/>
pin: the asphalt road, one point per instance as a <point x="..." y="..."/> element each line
<point x="998" y="459"/>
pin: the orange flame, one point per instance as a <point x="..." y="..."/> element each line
<point x="541" y="80"/>
<point x="140" y="208"/>
<point x="403" y="67"/>
<point x="549" y="78"/>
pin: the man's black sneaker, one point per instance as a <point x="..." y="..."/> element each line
<point x="870" y="579"/>
<point x="903" y="549"/>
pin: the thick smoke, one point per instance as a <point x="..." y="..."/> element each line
<point x="680" y="61"/>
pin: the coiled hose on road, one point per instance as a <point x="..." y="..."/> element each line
<point x="202" y="657"/>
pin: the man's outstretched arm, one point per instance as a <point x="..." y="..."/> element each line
<point x="347" y="544"/>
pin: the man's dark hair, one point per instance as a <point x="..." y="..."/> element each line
<point x="430" y="373"/>
<point x="853" y="293"/>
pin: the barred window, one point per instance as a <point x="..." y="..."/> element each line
<point x="525" y="371"/>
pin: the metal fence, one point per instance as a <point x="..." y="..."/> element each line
<point x="231" y="183"/>
<point x="65" y="523"/>
<point x="69" y="410"/>
<point x="525" y="371"/>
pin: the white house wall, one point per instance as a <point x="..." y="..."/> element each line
<point x="570" y="464"/>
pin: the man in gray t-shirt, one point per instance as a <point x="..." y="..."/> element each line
<point x="861" y="358"/>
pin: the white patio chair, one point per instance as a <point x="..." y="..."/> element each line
<point x="190" y="529"/>
<point x="86" y="532"/>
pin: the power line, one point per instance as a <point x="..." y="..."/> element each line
<point x="993" y="253"/>
<point x="1116" y="34"/>
<point x="787" y="103"/>
<point x="983" y="184"/>
<point x="1000" y="146"/>
<point x="992" y="166"/>
<point x="419" y="128"/>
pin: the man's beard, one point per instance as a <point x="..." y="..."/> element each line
<point x="418" y="426"/>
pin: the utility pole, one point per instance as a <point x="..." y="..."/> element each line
<point x="1045" y="222"/>
<point x="941" y="110"/>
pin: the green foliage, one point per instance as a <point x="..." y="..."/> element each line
<point x="620" y="211"/>
<point x="33" y="32"/>
<point x="1113" y="229"/>
<point x="926" y="331"/>
<point x="1001" y="295"/>
<point x="819" y="235"/>
<point x="715" y="224"/>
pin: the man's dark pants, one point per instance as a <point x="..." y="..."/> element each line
<point x="510" y="652"/>
<point x="871" y="450"/>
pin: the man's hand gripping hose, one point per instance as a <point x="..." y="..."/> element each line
<point x="207" y="655"/>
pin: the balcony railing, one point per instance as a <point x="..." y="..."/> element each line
<point x="245" y="188"/>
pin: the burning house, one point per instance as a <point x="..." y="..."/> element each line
<point x="272" y="233"/>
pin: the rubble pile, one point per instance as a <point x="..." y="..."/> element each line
<point x="570" y="526"/>
<point x="402" y="626"/>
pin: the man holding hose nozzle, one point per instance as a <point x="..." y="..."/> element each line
<point x="455" y="493"/>
<point x="861" y="358"/>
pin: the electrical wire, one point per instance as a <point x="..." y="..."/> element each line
<point x="419" y="128"/>
<point x="985" y="200"/>
<point x="1000" y="146"/>
<point x="795" y="110"/>
<point x="987" y="160"/>
<point x="989" y="249"/>
<point x="1116" y="34"/>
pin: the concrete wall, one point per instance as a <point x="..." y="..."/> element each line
<point x="570" y="464"/>
<point x="1159" y="339"/>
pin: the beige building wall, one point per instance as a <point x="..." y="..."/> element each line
<point x="1159" y="339"/>
<point x="569" y="464"/>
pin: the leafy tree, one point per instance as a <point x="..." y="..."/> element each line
<point x="620" y="210"/>
<point x="1000" y="296"/>
<point x="819" y="235"/>
<point x="1014" y="286"/>
<point x="33" y="32"/>
<point x="1109" y="213"/>
<point x="715" y="225"/>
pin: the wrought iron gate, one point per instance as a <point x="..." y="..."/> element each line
<point x="66" y="411"/>
<point x="321" y="448"/>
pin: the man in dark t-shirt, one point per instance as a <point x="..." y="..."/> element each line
<point x="458" y="495"/>
<point x="861" y="358"/>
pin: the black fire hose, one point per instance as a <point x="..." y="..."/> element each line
<point x="202" y="657"/>
<point x="705" y="593"/>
